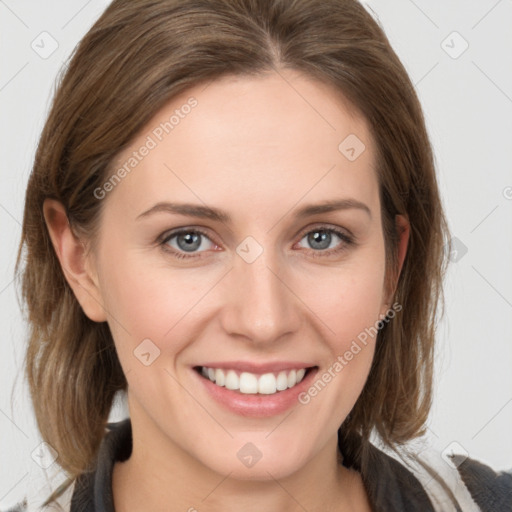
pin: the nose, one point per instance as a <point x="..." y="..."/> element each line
<point x="260" y="305"/>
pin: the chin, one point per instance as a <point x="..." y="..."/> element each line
<point x="258" y="466"/>
<point x="260" y="473"/>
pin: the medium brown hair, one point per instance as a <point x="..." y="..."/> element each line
<point x="135" y="58"/>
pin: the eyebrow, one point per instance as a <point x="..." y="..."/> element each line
<point x="207" y="212"/>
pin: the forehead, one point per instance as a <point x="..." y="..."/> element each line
<point x="249" y="141"/>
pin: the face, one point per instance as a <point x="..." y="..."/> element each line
<point x="242" y="282"/>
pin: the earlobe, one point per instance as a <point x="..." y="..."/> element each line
<point x="74" y="260"/>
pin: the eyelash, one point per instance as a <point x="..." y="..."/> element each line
<point x="347" y="239"/>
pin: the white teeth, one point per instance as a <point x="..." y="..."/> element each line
<point x="267" y="384"/>
<point x="220" y="378"/>
<point x="232" y="381"/>
<point x="250" y="383"/>
<point x="282" y="381"/>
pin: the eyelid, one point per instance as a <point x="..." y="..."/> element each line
<point x="167" y="235"/>
<point x="301" y="232"/>
<point x="326" y="226"/>
<point x="346" y="236"/>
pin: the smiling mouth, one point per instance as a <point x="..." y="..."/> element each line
<point x="248" y="383"/>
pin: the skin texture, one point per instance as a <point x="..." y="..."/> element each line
<point x="259" y="148"/>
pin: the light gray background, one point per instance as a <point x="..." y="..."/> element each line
<point x="468" y="106"/>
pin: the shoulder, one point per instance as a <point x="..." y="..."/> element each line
<point x="454" y="483"/>
<point x="491" y="490"/>
<point x="80" y="495"/>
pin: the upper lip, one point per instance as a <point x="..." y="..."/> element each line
<point x="252" y="367"/>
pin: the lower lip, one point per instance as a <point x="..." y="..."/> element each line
<point x="257" y="405"/>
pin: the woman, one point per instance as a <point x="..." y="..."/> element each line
<point x="234" y="217"/>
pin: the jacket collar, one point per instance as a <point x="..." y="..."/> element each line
<point x="390" y="486"/>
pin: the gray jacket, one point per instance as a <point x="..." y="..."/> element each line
<point x="390" y="485"/>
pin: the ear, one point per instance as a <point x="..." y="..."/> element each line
<point x="403" y="229"/>
<point x="74" y="260"/>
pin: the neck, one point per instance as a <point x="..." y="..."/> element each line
<point x="169" y="479"/>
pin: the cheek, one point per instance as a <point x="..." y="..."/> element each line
<point x="159" y="303"/>
<point x="348" y="299"/>
<point x="147" y="300"/>
<point x="349" y="309"/>
<point x="141" y="302"/>
<point x="348" y="303"/>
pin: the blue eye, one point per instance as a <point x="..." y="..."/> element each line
<point x="318" y="237"/>
<point x="188" y="241"/>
